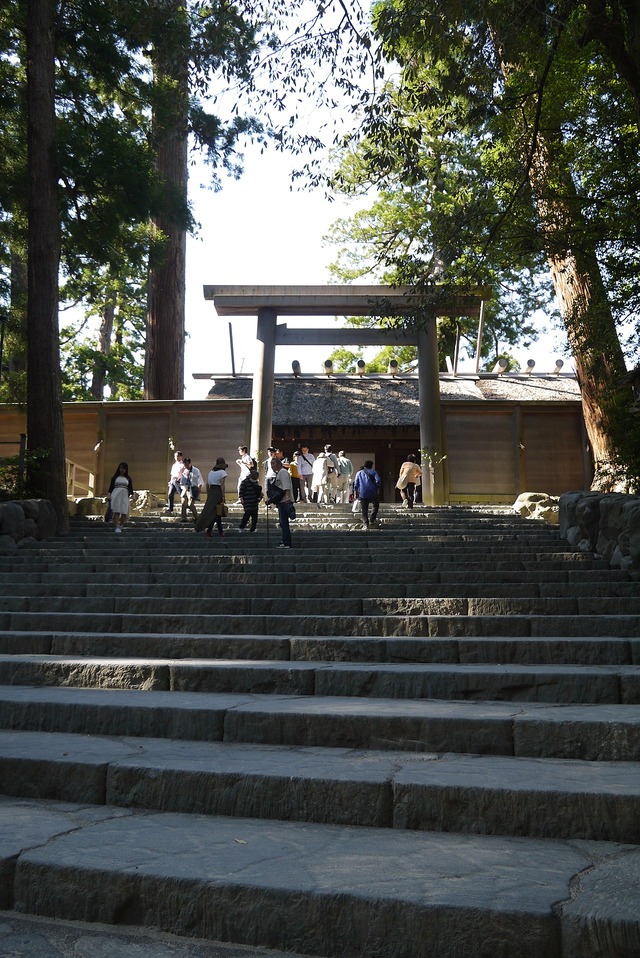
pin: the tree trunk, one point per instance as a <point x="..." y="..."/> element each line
<point x="589" y="322"/>
<point x="164" y="355"/>
<point x="104" y="345"/>
<point x="45" y="429"/>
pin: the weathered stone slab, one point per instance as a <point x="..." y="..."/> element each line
<point x="41" y="670"/>
<point x="607" y="733"/>
<point x="344" y="891"/>
<point x="586" y="625"/>
<point x="281" y="678"/>
<point x="25" y="643"/>
<point x="474" y="682"/>
<point x="549" y="650"/>
<point x="116" y="712"/>
<point x="602" y="915"/>
<point x="376" y="723"/>
<point x="547" y="798"/>
<point x="29" y="824"/>
<point x="171" y="646"/>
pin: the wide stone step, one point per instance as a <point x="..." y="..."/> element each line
<point x="583" y="581"/>
<point x="326" y="625"/>
<point x="318" y="604"/>
<point x="511" y="683"/>
<point x="534" y="730"/>
<point x="488" y="795"/>
<point x="341" y="587"/>
<point x="516" y="650"/>
<point x="345" y="891"/>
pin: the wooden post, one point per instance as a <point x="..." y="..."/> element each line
<point x="262" y="395"/>
<point x="430" y="422"/>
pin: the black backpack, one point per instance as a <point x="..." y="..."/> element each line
<point x="274" y="493"/>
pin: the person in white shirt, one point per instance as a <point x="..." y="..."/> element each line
<point x="246" y="464"/>
<point x="174" y="479"/>
<point x="186" y="491"/>
<point x="345" y="471"/>
<point x="197" y="482"/>
<point x="305" y="468"/>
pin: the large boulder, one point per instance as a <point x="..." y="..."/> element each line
<point x="146" y="501"/>
<point x="12" y="520"/>
<point x="89" y="506"/>
<point x="612" y="524"/>
<point x="607" y="524"/>
<point x="538" y="505"/>
<point x="32" y="519"/>
<point x="588" y="519"/>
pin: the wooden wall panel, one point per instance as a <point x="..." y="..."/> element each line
<point x="12" y="423"/>
<point x="80" y="436"/>
<point x="141" y="440"/>
<point x="484" y="460"/>
<point x="481" y="453"/>
<point x="203" y="435"/>
<point x="553" y="459"/>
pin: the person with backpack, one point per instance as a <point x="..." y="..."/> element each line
<point x="280" y="494"/>
<point x="332" y="473"/>
<point x="188" y="482"/>
<point x="366" y="488"/>
<point x="345" y="471"/>
<point x="306" y="460"/>
<point x="250" y="496"/>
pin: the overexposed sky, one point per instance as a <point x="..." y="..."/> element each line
<point x="257" y="230"/>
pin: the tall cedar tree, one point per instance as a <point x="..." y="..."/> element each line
<point x="47" y="476"/>
<point x="516" y="70"/>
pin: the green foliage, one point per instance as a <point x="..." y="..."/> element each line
<point x="509" y="138"/>
<point x="14" y="472"/>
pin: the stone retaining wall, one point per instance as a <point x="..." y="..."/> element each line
<point x="26" y="521"/>
<point x="607" y="524"/>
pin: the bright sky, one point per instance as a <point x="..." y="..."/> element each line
<point x="257" y="231"/>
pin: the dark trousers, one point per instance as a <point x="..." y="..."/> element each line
<point x="295" y="484"/>
<point x="249" y="514"/>
<point x="408" y="494"/>
<point x="374" y="502"/>
<point x="283" y="516"/>
<point x="174" y="487"/>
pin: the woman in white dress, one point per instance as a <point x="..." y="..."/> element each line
<point x="120" y="489"/>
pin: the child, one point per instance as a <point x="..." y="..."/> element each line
<point x="250" y="493"/>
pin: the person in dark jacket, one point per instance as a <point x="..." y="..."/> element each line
<point x="366" y="488"/>
<point x="250" y="493"/>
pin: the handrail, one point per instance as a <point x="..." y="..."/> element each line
<point x="81" y="482"/>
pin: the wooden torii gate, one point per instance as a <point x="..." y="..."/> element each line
<point x="423" y="306"/>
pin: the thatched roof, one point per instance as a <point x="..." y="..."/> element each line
<point x="384" y="401"/>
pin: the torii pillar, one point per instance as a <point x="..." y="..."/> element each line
<point x="263" y="380"/>
<point x="430" y="419"/>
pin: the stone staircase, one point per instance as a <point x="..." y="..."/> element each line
<point x="419" y="741"/>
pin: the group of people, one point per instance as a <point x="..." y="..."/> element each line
<point x="323" y="478"/>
